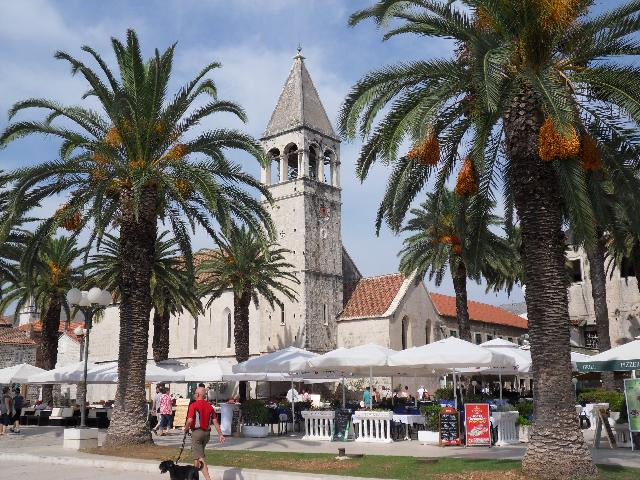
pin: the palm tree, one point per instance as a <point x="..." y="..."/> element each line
<point x="45" y="286"/>
<point x="172" y="286"/>
<point x="525" y="79"/>
<point x="438" y="243"/>
<point x="130" y="164"/>
<point x="251" y="270"/>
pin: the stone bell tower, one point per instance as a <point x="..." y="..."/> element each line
<point x="304" y="178"/>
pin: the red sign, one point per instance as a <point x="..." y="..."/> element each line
<point x="478" y="424"/>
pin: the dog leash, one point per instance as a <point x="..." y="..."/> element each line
<point x="184" y="440"/>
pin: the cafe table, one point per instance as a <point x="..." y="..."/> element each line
<point x="408" y="420"/>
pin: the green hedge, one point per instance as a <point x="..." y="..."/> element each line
<point x="431" y="415"/>
<point x="443" y="394"/>
<point x="615" y="400"/>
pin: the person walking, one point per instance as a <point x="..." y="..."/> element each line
<point x="164" y="412"/>
<point x="199" y="419"/>
<point x="155" y="408"/>
<point x="18" y="402"/>
<point x="6" y="410"/>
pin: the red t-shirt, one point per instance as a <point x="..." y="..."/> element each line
<point x="202" y="414"/>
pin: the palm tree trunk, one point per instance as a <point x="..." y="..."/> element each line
<point x="557" y="448"/>
<point x="160" y="343"/>
<point x="137" y="242"/>
<point x="241" y="332"/>
<point x="49" y="345"/>
<point x="462" y="310"/>
<point x="598" y="277"/>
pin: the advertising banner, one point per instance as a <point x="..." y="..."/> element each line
<point x="632" y="395"/>
<point x="478" y="424"/>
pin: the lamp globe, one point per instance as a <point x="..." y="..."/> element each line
<point x="94" y="295"/>
<point x="74" y="296"/>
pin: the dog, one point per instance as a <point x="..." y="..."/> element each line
<point x="180" y="472"/>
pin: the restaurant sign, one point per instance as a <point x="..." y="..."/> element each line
<point x="609" y="366"/>
<point x="632" y="395"/>
<point x="478" y="424"/>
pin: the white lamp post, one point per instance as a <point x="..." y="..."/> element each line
<point x="574" y="380"/>
<point x="89" y="303"/>
<point x="474" y="383"/>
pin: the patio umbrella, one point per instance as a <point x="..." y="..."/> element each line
<point x="624" y="358"/>
<point x="108" y="373"/>
<point x="362" y="360"/>
<point x="287" y="360"/>
<point x="453" y="354"/>
<point x="521" y="359"/>
<point x="72" y="373"/>
<point x="212" y="371"/>
<point x="18" y="373"/>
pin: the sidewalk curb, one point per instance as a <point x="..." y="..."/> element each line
<point x="147" y="467"/>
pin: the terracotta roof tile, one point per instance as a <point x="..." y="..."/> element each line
<point x="371" y="297"/>
<point x="37" y="327"/>
<point x="15" y="336"/>
<point x="6" y="321"/>
<point x="479" y="312"/>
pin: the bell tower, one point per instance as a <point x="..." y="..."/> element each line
<point x="303" y="176"/>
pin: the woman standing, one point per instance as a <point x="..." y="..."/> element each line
<point x="165" y="411"/>
<point x="6" y="410"/>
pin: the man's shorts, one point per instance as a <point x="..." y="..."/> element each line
<point x="199" y="440"/>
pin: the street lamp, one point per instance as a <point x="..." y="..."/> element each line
<point x="574" y="380"/>
<point x="89" y="303"/>
<point x="474" y="383"/>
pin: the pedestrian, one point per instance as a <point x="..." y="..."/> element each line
<point x="366" y="397"/>
<point x="164" y="411"/>
<point x="6" y="410"/>
<point x="18" y="402"/>
<point x="155" y="410"/>
<point x="199" y="419"/>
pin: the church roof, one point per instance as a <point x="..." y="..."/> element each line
<point x="299" y="105"/>
<point x="15" y="336"/>
<point x="479" y="312"/>
<point x="372" y="296"/>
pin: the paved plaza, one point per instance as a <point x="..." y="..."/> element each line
<point x="66" y="472"/>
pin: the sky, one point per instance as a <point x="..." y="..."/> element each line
<point x="255" y="40"/>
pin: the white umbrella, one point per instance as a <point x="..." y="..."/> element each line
<point x="287" y="360"/>
<point x="361" y="360"/>
<point x="618" y="359"/>
<point x="212" y="371"/>
<point x="69" y="374"/>
<point x="451" y="353"/>
<point x="521" y="359"/>
<point x="18" y="373"/>
<point x="108" y="373"/>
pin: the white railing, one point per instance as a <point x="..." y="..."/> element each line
<point x="506" y="424"/>
<point x="318" y="425"/>
<point x="374" y="427"/>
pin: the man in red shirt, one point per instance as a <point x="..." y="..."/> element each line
<point x="199" y="419"/>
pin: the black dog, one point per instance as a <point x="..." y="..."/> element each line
<point x="180" y="472"/>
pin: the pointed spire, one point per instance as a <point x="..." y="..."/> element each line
<point x="299" y="104"/>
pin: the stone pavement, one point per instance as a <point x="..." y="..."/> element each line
<point x="47" y="442"/>
<point x="12" y="469"/>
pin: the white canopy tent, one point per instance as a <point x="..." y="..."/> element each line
<point x="105" y="373"/>
<point x="451" y="354"/>
<point x="18" y="373"/>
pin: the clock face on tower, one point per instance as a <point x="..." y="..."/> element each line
<point x="324" y="212"/>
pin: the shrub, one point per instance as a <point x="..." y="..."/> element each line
<point x="477" y="398"/>
<point x="525" y="409"/>
<point x="523" y="421"/>
<point x="507" y="407"/>
<point x="443" y="394"/>
<point x="254" y="412"/>
<point x="431" y="415"/>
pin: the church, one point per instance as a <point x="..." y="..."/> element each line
<point x="336" y="305"/>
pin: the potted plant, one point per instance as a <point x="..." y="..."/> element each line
<point x="255" y="419"/>
<point x="524" y="429"/>
<point x="430" y="435"/>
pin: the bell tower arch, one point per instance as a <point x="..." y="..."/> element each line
<point x="303" y="176"/>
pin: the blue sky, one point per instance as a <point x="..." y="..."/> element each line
<point x="255" y="40"/>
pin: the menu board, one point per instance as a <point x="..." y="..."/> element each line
<point x="478" y="424"/>
<point x="182" y="409"/>
<point x="632" y="396"/>
<point x="341" y="424"/>
<point x="449" y="426"/>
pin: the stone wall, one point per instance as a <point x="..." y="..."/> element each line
<point x="11" y="355"/>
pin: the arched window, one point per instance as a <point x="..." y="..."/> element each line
<point x="327" y="166"/>
<point x="282" y="315"/>
<point x="325" y="317"/>
<point x="405" y="327"/>
<point x="195" y="333"/>
<point x="229" y="330"/>
<point x="274" y="155"/>
<point x="292" y="162"/>
<point x="426" y="332"/>
<point x="313" y="163"/>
